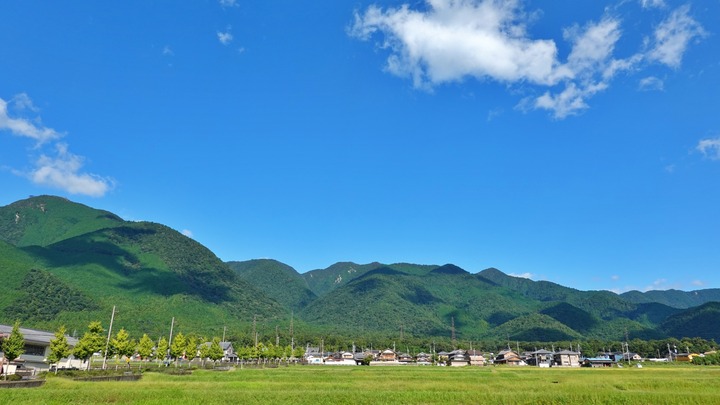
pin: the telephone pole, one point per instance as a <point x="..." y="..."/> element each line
<point x="107" y="342"/>
<point x="255" y="330"/>
<point x="452" y="326"/>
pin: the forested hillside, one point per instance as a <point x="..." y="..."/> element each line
<point x="66" y="263"/>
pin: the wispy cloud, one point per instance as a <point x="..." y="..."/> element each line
<point x="64" y="171"/>
<point x="24" y="127"/>
<point x="58" y="169"/>
<point x="226" y="37"/>
<point x="710" y="148"/>
<point x="673" y="35"/>
<point x="651" y="83"/>
<point x="452" y="40"/>
<point x="187" y="233"/>
<point x="663" y="284"/>
<point x="228" y="3"/>
<point x="652" y="3"/>
<point x="167" y="51"/>
<point x="522" y="275"/>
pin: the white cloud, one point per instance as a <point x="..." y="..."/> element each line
<point x="453" y="40"/>
<point x="652" y="3"/>
<point x="672" y="36"/>
<point x="659" y="284"/>
<point x="698" y="283"/>
<point x="570" y="101"/>
<point x="461" y="38"/>
<point x="167" y="51"/>
<point x="593" y="46"/>
<point x="710" y="148"/>
<point x="23" y="126"/>
<point x="187" y="233"/>
<point x="228" y="3"/>
<point x="23" y="102"/>
<point x="663" y="284"/>
<point x="651" y="83"/>
<point x="591" y="64"/>
<point x="225" y="37"/>
<point x="63" y="171"/>
<point x="522" y="275"/>
<point x="615" y="277"/>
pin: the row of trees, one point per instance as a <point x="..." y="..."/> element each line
<point x="181" y="347"/>
<point x="122" y="345"/>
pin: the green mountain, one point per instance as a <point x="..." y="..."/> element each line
<point x="66" y="263"/>
<point x="700" y="322"/>
<point x="277" y="280"/>
<point x="72" y="264"/>
<point x="322" y="281"/>
<point x="674" y="298"/>
<point x="604" y="304"/>
<point x="41" y="221"/>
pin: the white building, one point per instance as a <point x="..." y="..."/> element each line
<point x="37" y="347"/>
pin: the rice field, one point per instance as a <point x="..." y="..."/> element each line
<point x="391" y="385"/>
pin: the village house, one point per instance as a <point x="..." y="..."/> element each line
<point x="566" y="358"/>
<point x="405" y="358"/>
<point x="388" y="355"/>
<point x="598" y="362"/>
<point x="540" y="358"/>
<point x="509" y="357"/>
<point x="423" y="359"/>
<point x="228" y="352"/>
<point x="476" y="358"/>
<point x="632" y="357"/>
<point x="458" y="358"/>
<point x="37" y="348"/>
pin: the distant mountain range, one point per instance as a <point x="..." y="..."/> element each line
<point x="66" y="263"/>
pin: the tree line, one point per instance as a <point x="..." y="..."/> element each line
<point x="177" y="347"/>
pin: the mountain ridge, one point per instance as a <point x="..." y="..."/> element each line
<point x="52" y="244"/>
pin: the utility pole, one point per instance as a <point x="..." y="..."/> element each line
<point x="172" y="324"/>
<point x="277" y="336"/>
<point x="107" y="342"/>
<point x="255" y="330"/>
<point x="292" y="332"/>
<point x="452" y="327"/>
<point x="224" y="330"/>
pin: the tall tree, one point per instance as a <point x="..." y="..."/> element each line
<point x="91" y="342"/>
<point x="191" y="347"/>
<point x="145" y="347"/>
<point x="14" y="345"/>
<point x="162" y="349"/>
<point x="121" y="345"/>
<point x="178" y="346"/>
<point x="59" y="347"/>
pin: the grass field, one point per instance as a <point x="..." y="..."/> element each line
<point x="377" y="385"/>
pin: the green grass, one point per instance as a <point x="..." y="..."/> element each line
<point x="377" y="385"/>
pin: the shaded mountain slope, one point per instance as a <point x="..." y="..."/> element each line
<point x="149" y="271"/>
<point x="700" y="322"/>
<point x="277" y="280"/>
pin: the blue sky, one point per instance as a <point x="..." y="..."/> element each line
<point x="576" y="143"/>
